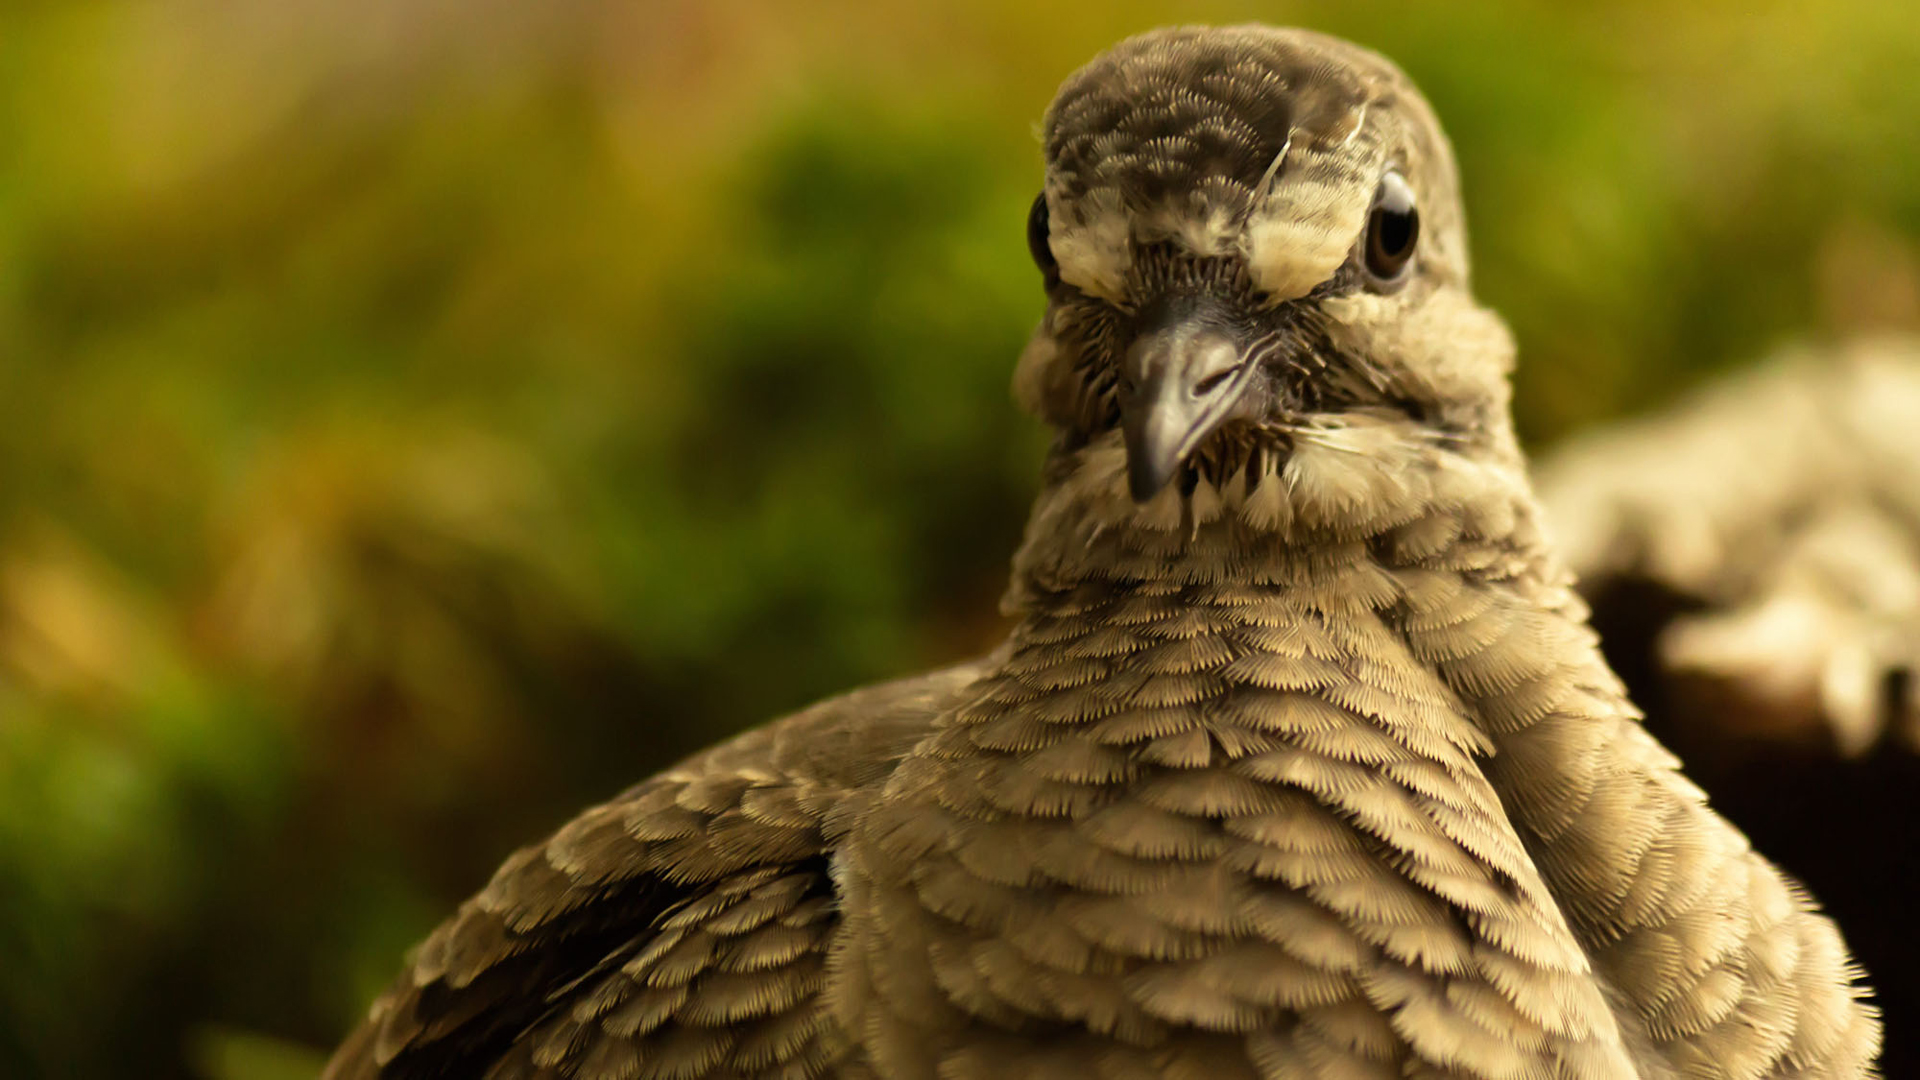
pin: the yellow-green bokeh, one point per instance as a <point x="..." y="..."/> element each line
<point x="419" y="419"/>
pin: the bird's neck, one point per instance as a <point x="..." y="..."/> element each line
<point x="1415" y="601"/>
<point x="1365" y="499"/>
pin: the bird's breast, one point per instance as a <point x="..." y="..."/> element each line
<point x="1190" y="814"/>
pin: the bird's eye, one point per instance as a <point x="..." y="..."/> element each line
<point x="1037" y="227"/>
<point x="1393" y="230"/>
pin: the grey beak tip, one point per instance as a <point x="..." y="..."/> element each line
<point x="1145" y="477"/>
<point x="1179" y="391"/>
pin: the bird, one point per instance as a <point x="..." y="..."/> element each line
<point x="1300" y="759"/>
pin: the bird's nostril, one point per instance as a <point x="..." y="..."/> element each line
<point x="1212" y="382"/>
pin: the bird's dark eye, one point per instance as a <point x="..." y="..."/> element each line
<point x="1037" y="246"/>
<point x="1393" y="230"/>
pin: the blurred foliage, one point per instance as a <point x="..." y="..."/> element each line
<point x="419" y="419"/>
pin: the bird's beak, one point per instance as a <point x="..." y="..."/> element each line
<point x="1185" y="375"/>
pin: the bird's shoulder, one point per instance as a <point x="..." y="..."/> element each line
<point x="694" y="907"/>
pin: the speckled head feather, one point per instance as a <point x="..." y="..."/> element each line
<point x="1250" y="141"/>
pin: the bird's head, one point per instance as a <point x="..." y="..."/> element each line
<point x="1251" y="239"/>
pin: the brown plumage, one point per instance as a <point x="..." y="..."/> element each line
<point x="1301" y="761"/>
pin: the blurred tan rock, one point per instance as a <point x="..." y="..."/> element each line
<point x="1783" y="503"/>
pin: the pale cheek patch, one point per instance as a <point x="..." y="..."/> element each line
<point x="1302" y="235"/>
<point x="1094" y="251"/>
<point x="1095" y="254"/>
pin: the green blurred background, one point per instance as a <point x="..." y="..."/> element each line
<point x="419" y="418"/>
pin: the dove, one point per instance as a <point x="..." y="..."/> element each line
<point x="1300" y="760"/>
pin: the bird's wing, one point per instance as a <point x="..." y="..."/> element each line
<point x="677" y="930"/>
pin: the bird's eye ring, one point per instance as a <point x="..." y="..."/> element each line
<point x="1038" y="226"/>
<point x="1393" y="231"/>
